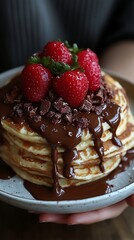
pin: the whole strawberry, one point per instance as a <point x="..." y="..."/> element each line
<point x="88" y="60"/>
<point x="58" y="52"/>
<point x="36" y="81"/>
<point x="72" y="86"/>
<point x="85" y="56"/>
<point x="93" y="73"/>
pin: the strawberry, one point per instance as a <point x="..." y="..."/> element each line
<point x="58" y="52"/>
<point x="72" y="86"/>
<point x="85" y="56"/>
<point x="93" y="73"/>
<point x="88" y="60"/>
<point x="36" y="81"/>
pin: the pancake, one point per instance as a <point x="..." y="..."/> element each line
<point x="30" y="154"/>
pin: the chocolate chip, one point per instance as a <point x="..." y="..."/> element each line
<point x="75" y="111"/>
<point x="27" y="106"/>
<point x="65" y="109"/>
<point x="17" y="110"/>
<point x="45" y="107"/>
<point x="69" y="117"/>
<point x="88" y="97"/>
<point x="82" y="122"/>
<point x="37" y="118"/>
<point x="57" y="116"/>
<point x="86" y="106"/>
<point x="98" y="110"/>
<point x="58" y="104"/>
<point x="50" y="114"/>
<point x="32" y="112"/>
<point x="42" y="127"/>
<point x="99" y="95"/>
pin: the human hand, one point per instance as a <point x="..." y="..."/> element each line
<point x="89" y="217"/>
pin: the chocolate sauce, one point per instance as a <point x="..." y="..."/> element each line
<point x="97" y="188"/>
<point x="111" y="114"/>
<point x="57" y="135"/>
<point x="88" y="190"/>
<point x="56" y="186"/>
<point x="68" y="170"/>
<point x="95" y="127"/>
<point x="66" y="135"/>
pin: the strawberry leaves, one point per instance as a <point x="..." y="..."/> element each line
<point x="74" y="49"/>
<point x="56" y="68"/>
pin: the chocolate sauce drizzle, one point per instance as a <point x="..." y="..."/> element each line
<point x="66" y="135"/>
<point x="111" y="114"/>
<point x="56" y="186"/>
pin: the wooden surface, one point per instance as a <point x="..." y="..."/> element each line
<point x="18" y="224"/>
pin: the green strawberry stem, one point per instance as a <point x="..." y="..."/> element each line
<point x="56" y="68"/>
<point x="73" y="49"/>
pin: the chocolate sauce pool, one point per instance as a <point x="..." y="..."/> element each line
<point x="69" y="137"/>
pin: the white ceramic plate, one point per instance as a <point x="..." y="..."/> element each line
<point x="13" y="192"/>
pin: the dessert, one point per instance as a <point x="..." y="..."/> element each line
<point x="64" y="122"/>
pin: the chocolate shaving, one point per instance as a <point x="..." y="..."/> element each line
<point x="57" y="118"/>
<point x="32" y="112"/>
<point x="98" y="110"/>
<point x="86" y="106"/>
<point x="45" y="107"/>
<point x="61" y="106"/>
<point x="82" y="122"/>
<point x="99" y="95"/>
<point x="42" y="127"/>
<point x="37" y="118"/>
<point x="50" y="114"/>
<point x="17" y="110"/>
<point x="69" y="117"/>
<point x="27" y="106"/>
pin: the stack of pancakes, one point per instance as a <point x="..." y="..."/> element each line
<point x="30" y="155"/>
